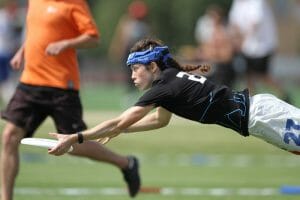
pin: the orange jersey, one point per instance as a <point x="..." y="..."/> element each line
<point x="50" y="21"/>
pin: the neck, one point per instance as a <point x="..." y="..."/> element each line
<point x="156" y="74"/>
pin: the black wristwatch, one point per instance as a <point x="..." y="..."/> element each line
<point x="80" y="137"/>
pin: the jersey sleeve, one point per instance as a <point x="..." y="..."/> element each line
<point x="154" y="96"/>
<point x="84" y="21"/>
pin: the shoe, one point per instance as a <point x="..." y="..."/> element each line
<point x="131" y="176"/>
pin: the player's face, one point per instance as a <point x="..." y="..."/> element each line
<point x="141" y="76"/>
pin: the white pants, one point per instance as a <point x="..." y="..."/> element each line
<point x="275" y="121"/>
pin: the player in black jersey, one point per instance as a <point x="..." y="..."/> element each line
<point x="170" y="88"/>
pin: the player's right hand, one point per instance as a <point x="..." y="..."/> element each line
<point x="16" y="61"/>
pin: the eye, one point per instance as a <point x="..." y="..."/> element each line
<point x="134" y="68"/>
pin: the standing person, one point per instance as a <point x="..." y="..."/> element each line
<point x="131" y="27"/>
<point x="255" y="32"/>
<point x="216" y="47"/>
<point x="170" y="89"/>
<point x="8" y="42"/>
<point x="49" y="86"/>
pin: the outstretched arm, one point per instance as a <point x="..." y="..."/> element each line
<point x="158" y="119"/>
<point x="109" y="128"/>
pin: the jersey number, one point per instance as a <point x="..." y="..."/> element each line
<point x="288" y="135"/>
<point x="192" y="77"/>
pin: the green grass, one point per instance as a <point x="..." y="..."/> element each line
<point x="159" y="152"/>
<point x="107" y="97"/>
<point x="183" y="155"/>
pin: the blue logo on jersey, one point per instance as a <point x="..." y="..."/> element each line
<point x="239" y="99"/>
<point x="289" y="135"/>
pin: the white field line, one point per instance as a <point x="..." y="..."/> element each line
<point x="167" y="191"/>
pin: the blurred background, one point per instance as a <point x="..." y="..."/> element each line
<point x="177" y="24"/>
<point x="185" y="160"/>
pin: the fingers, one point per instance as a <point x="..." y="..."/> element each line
<point x="52" y="51"/>
<point x="56" y="48"/>
<point x="58" y="136"/>
<point x="15" y="64"/>
<point x="56" y="151"/>
<point x="104" y="140"/>
<point x="61" y="148"/>
<point x="54" y="135"/>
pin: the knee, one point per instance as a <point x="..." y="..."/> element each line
<point x="11" y="136"/>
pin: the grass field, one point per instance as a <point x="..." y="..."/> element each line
<point x="185" y="160"/>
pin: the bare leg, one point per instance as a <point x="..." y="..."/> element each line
<point x="128" y="165"/>
<point x="10" y="159"/>
<point x="98" y="152"/>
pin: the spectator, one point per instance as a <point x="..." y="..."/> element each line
<point x="131" y="27"/>
<point x="215" y="45"/>
<point x="253" y="23"/>
<point x="8" y="42"/>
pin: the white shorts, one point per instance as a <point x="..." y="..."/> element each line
<point x="275" y="121"/>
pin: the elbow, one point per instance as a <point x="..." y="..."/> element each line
<point x="163" y="123"/>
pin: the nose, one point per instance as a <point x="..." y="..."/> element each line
<point x="132" y="76"/>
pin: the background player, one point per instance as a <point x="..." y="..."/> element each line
<point x="49" y="86"/>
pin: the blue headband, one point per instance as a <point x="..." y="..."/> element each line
<point x="148" y="56"/>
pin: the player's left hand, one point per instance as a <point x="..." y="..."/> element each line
<point x="105" y="140"/>
<point x="63" y="146"/>
<point x="56" y="48"/>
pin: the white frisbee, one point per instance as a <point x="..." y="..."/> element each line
<point x="42" y="142"/>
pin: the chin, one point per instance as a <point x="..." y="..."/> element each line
<point x="141" y="88"/>
<point x="146" y="87"/>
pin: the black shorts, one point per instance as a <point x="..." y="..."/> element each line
<point x="30" y="106"/>
<point x="259" y="65"/>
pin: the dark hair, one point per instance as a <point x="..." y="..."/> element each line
<point x="148" y="43"/>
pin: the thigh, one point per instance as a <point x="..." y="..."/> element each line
<point x="67" y="112"/>
<point x="24" y="112"/>
<point x="275" y="121"/>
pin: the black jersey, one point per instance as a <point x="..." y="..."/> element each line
<point x="196" y="98"/>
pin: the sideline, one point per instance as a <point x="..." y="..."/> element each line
<point x="165" y="191"/>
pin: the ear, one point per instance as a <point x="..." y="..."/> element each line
<point x="153" y="67"/>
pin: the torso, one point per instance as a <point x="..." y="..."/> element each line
<point x="51" y="21"/>
<point x="195" y="98"/>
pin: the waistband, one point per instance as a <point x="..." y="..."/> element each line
<point x="27" y="87"/>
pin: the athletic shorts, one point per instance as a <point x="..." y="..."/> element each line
<point x="275" y="121"/>
<point x="31" y="105"/>
<point x="258" y="65"/>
